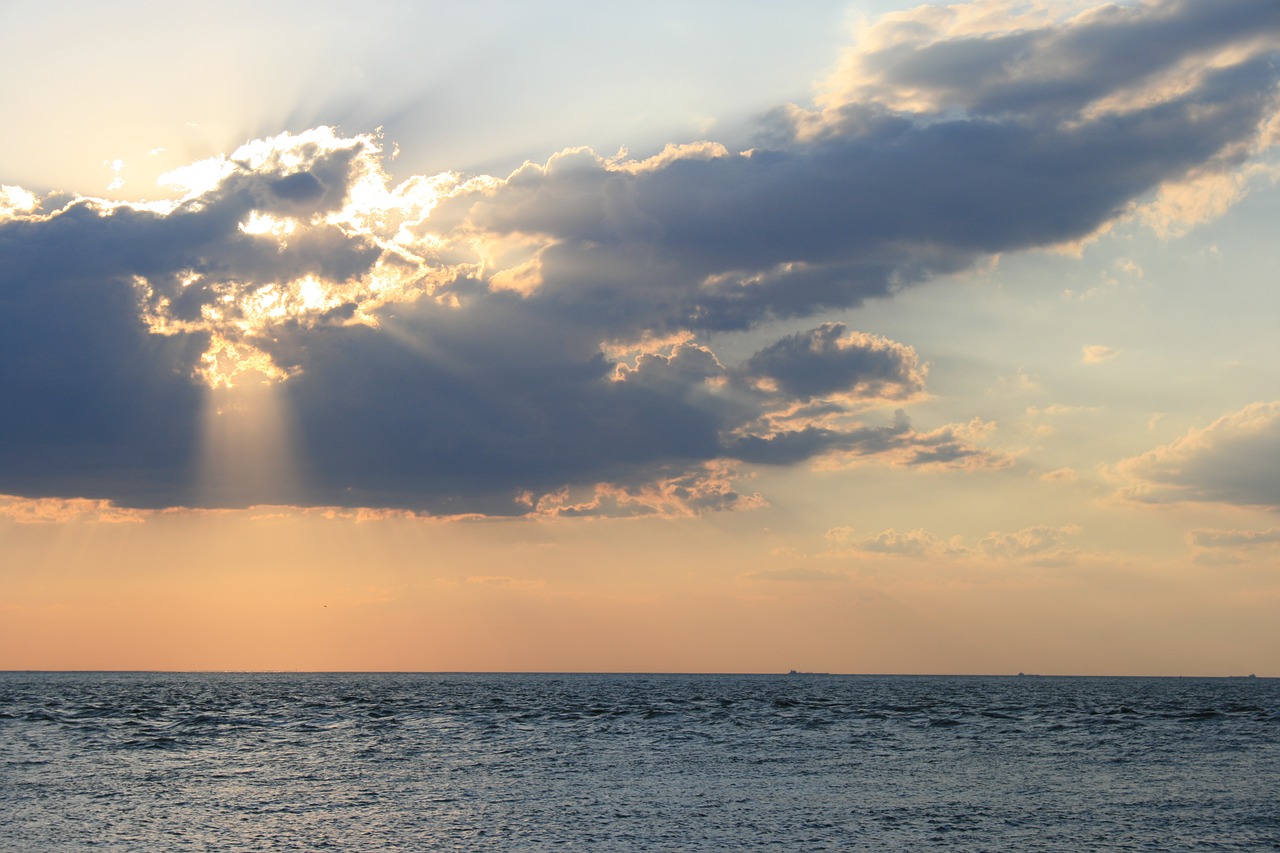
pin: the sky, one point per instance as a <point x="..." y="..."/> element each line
<point x="722" y="337"/>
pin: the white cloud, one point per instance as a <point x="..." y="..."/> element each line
<point x="1097" y="354"/>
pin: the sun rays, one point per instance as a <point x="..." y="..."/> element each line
<point x="247" y="445"/>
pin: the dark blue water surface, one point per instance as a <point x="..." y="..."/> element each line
<point x="258" y="762"/>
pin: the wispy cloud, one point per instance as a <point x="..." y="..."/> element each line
<point x="1204" y="538"/>
<point x="506" y="582"/>
<point x="1097" y="354"/>
<point x="1041" y="544"/>
<point x="798" y="574"/>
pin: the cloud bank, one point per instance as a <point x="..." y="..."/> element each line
<point x="539" y="343"/>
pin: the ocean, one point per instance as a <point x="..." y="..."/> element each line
<point x="472" y="762"/>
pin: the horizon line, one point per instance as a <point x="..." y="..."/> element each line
<point x="770" y="673"/>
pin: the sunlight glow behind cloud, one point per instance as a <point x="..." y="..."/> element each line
<point x="455" y="343"/>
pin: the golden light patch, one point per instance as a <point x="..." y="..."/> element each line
<point x="225" y="363"/>
<point x="263" y="224"/>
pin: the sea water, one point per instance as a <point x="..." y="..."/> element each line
<point x="372" y="762"/>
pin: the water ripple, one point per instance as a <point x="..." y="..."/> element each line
<point x="181" y="762"/>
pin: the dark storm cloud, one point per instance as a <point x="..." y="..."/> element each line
<point x="92" y="403"/>
<point x="459" y="345"/>
<point x="470" y="405"/>
<point x="493" y="401"/>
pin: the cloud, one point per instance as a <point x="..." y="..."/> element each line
<point x="1230" y="547"/>
<point x="1057" y="409"/>
<point x="685" y="495"/>
<point x="1040" y="544"/>
<point x="506" y="582"/>
<point x="1233" y="538"/>
<point x="826" y="361"/>
<point x="997" y="58"/>
<point x="1039" y="417"/>
<point x="953" y="447"/>
<point x="913" y="543"/>
<point x="1234" y="460"/>
<point x="1072" y="64"/>
<point x="64" y="510"/>
<point x="1097" y="354"/>
<point x="15" y="201"/>
<point x="539" y="343"/>
<point x="798" y="574"/>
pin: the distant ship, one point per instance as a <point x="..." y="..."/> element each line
<point x="798" y="672"/>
